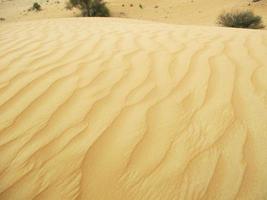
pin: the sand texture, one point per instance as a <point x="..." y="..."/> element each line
<point x="195" y="12"/>
<point x="119" y="109"/>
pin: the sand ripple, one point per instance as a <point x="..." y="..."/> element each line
<point x="112" y="109"/>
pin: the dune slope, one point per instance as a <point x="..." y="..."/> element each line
<point x="113" y="109"/>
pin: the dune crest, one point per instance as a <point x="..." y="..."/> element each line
<point x="113" y="109"/>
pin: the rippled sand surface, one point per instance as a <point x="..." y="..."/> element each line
<point x="113" y="109"/>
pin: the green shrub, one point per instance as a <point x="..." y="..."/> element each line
<point x="240" y="19"/>
<point x="91" y="8"/>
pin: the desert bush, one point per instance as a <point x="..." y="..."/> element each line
<point x="91" y="8"/>
<point x="240" y="19"/>
<point x="36" y="7"/>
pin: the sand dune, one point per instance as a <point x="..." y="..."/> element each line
<point x="113" y="109"/>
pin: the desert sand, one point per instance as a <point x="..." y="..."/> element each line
<point x="194" y="12"/>
<point x="120" y="109"/>
<point x="18" y="10"/>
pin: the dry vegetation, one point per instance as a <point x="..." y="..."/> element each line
<point x="240" y="19"/>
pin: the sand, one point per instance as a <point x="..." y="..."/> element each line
<point x="194" y="12"/>
<point x="120" y="109"/>
<point x="18" y="10"/>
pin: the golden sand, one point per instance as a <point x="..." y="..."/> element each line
<point x="113" y="109"/>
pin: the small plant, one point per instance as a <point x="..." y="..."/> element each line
<point x="36" y="7"/>
<point x="140" y="6"/>
<point x="91" y="8"/>
<point x="240" y="19"/>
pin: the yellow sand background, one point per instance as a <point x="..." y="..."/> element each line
<point x="123" y="109"/>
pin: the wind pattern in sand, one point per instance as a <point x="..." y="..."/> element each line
<point x="102" y="109"/>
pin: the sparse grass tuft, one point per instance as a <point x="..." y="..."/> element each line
<point x="240" y="19"/>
